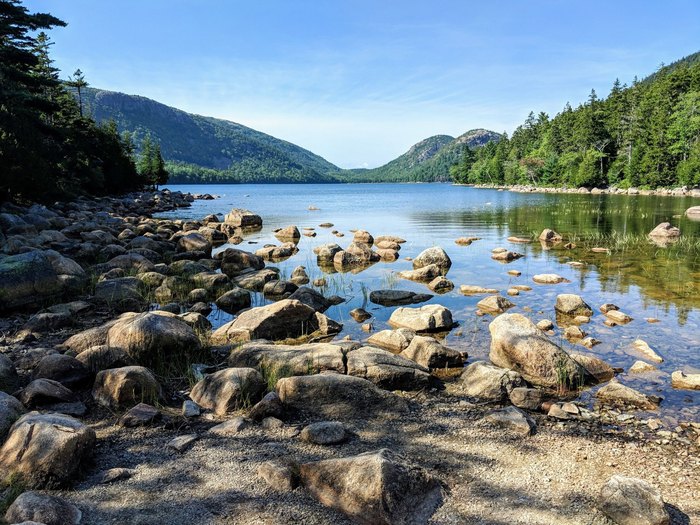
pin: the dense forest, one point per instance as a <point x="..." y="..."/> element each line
<point x="49" y="147"/>
<point x="643" y="135"/>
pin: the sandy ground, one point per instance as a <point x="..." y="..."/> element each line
<point x="493" y="478"/>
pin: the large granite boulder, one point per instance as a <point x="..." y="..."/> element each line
<point x="125" y="387"/>
<point x="377" y="488"/>
<point x="517" y="344"/>
<point x="242" y="218"/>
<point x="430" y="353"/>
<point x="36" y="508"/>
<point x="386" y="370"/>
<point x="10" y="411"/>
<point x="46" y="450"/>
<point x="288" y="360"/>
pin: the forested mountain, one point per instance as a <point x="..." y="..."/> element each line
<point x="427" y="161"/>
<point x="643" y="135"/>
<point x="205" y="149"/>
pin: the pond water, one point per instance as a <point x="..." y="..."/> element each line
<point x="643" y="279"/>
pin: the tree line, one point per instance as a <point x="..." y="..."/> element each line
<point x="643" y="135"/>
<point x="49" y="147"/>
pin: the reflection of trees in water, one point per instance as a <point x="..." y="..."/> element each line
<point x="667" y="277"/>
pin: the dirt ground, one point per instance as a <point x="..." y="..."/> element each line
<point x="493" y="478"/>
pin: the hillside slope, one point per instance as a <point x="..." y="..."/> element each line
<point x="206" y="149"/>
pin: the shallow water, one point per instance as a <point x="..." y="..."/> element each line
<point x="644" y="280"/>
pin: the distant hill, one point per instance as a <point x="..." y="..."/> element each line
<point x="205" y="149"/>
<point x="201" y="149"/>
<point x="427" y="161"/>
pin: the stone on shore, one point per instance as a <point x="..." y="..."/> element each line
<point x="10" y="411"/>
<point x="511" y="419"/>
<point x="65" y="369"/>
<point x="324" y="433"/>
<point x="386" y="370"/>
<point x="428" y="318"/>
<point x="617" y="394"/>
<point x="393" y="340"/>
<point x="44" y="509"/>
<point x="380" y="487"/>
<point x="441" y="284"/>
<point x="632" y="501"/>
<point x="228" y="389"/>
<point x="234" y="262"/>
<point x="125" y="387"/>
<point x="428" y="352"/>
<point x="486" y="381"/>
<point x="46" y="450"/>
<point x="286" y="360"/>
<point x="9" y="380"/>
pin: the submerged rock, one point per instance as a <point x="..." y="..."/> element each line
<point x="397" y="297"/>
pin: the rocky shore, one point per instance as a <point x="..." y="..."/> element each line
<point x="120" y="404"/>
<point x="683" y="191"/>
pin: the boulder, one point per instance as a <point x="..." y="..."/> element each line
<point x="596" y="368"/>
<point x="397" y="297"/>
<point x="269" y="406"/>
<point x="617" y="394"/>
<point x="141" y="415"/>
<point x="153" y="338"/>
<point x="279" y="475"/>
<point x="486" y="381"/>
<point x="255" y="280"/>
<point x="326" y="252"/>
<point x="386" y="370"/>
<point x="241" y="218"/>
<point x="10" y="411"/>
<point x="526" y="398"/>
<point x="277" y="253"/>
<point x="194" y="242"/>
<point x="632" y="501"/>
<point x="433" y="256"/>
<point x="30" y="279"/>
<point x="378" y="488"/>
<point x="289" y="233"/>
<point x="279" y="289"/>
<point x="572" y="305"/>
<point x="9" y="380"/>
<point x="62" y="368"/>
<point x="234" y="262"/>
<point x="89" y="338"/>
<point x="43" y="392"/>
<point x="393" y="340"/>
<point x="441" y="285"/>
<point x="312" y="298"/>
<point x="123" y="293"/>
<point x="665" y="231"/>
<point x="287" y="360"/>
<point x="228" y="389"/>
<point x="511" y="419"/>
<point x="284" y="319"/>
<point x="693" y="213"/>
<point x="494" y="304"/>
<point x="429" y="318"/>
<point x="362" y="236"/>
<point x="640" y="367"/>
<point x="548" y="235"/>
<point x="46" y="450"/>
<point x="429" y="353"/>
<point x="299" y="276"/>
<point x="517" y="344"/>
<point x="125" y="387"/>
<point x="424" y="274"/>
<point x="336" y="396"/>
<point x="324" y="433"/>
<point x="681" y="380"/>
<point x="234" y="300"/>
<point x="34" y="507"/>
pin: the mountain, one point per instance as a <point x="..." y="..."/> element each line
<point x="201" y="149"/>
<point x="427" y="161"/>
<point x="206" y="149"/>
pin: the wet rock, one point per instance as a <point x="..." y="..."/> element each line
<point x="615" y="393"/>
<point x="381" y="487"/>
<point x="360" y="314"/>
<point x="393" y="340"/>
<point x="429" y="318"/>
<point x="680" y="379"/>
<point x="279" y="289"/>
<point x="363" y="237"/>
<point x="123" y="387"/>
<point x="424" y="274"/>
<point x="336" y="396"/>
<point x="526" y="398"/>
<point x="572" y="305"/>
<point x="65" y="369"/>
<point x="255" y="280"/>
<point x="152" y="338"/>
<point x="234" y="300"/>
<point x="594" y="366"/>
<point x="212" y="282"/>
<point x="643" y="347"/>
<point x="506" y="256"/>
<point x="441" y="285"/>
<point x="548" y="235"/>
<point x="386" y="370"/>
<point x="632" y="501"/>
<point x="494" y="304"/>
<point x="10" y="411"/>
<point x="46" y="450"/>
<point x="324" y="433"/>
<point x="486" y="381"/>
<point x="397" y="297"/>
<point x="618" y="317"/>
<point x="516" y="343"/>
<point x="665" y="230"/>
<point x="299" y="276"/>
<point x="468" y="289"/>
<point x="511" y="419"/>
<point x="549" y="278"/>
<point x="283" y="360"/>
<point x="326" y="252"/>
<point x="281" y="320"/>
<point x="241" y="218"/>
<point x="139" y="416"/>
<point x="693" y="212"/>
<point x="37" y="508"/>
<point x="9" y="380"/>
<point x="428" y="352"/>
<point x="228" y="389"/>
<point x="433" y="256"/>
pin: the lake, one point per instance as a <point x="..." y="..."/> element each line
<point x="643" y="279"/>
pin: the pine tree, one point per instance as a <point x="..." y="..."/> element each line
<point x="77" y="80"/>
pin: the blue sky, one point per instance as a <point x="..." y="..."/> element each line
<point x="359" y="82"/>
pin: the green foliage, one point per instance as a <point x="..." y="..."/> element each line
<point x="151" y="166"/>
<point x="48" y="149"/>
<point x="647" y="135"/>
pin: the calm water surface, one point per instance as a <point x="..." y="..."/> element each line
<point x="644" y="280"/>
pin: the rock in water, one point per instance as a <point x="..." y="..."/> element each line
<point x="684" y="381"/>
<point x="434" y="255"/>
<point x="430" y="353"/>
<point x="429" y="318"/>
<point x="494" y="304"/>
<point x="665" y="230"/>
<point x="632" y="501"/>
<point x="615" y="393"/>
<point x="34" y="507"/>
<point x="572" y="304"/>
<point x="377" y="488"/>
<point x="46" y="450"/>
<point x="243" y="218"/>
<point x="516" y="343"/>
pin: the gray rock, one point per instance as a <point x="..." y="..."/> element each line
<point x="230" y="427"/>
<point x="324" y="433"/>
<point x="139" y="416"/>
<point x="397" y="297"/>
<point x="386" y="370"/>
<point x="242" y="218"/>
<point x="312" y="298"/>
<point x="43" y="392"/>
<point x="428" y="352"/>
<point x="10" y="411"/>
<point x="511" y="419"/>
<point x="632" y="501"/>
<point x="9" y="380"/>
<point x="124" y="387"/>
<point x="234" y="300"/>
<point x="486" y="381"/>
<point x="615" y="393"/>
<point x="182" y="443"/>
<point x="42" y="508"/>
<point x="429" y="318"/>
<point x="393" y="340"/>
<point x="286" y="360"/>
<point x="527" y="398"/>
<point x="62" y="368"/>
<point x="665" y="230"/>
<point x="433" y="256"/>
<point x="228" y="389"/>
<point x="279" y="475"/>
